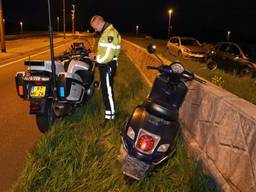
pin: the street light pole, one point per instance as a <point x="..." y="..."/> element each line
<point x="64" y="19"/>
<point x="21" y="26"/>
<point x="228" y="34"/>
<point x="73" y="18"/>
<point x="2" y="34"/>
<point x="58" y="24"/>
<point x="169" y="23"/>
<point x="53" y="67"/>
<point x="137" y="30"/>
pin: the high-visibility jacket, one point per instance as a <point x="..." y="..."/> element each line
<point x="108" y="45"/>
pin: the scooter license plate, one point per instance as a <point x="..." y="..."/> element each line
<point x="135" y="168"/>
<point x="37" y="91"/>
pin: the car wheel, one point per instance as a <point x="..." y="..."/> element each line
<point x="245" y="72"/>
<point x="211" y="65"/>
<point x="180" y="54"/>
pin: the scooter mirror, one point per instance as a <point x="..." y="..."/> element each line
<point x="151" y="48"/>
<point x="177" y="67"/>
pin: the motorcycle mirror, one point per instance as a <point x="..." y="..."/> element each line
<point x="151" y="48"/>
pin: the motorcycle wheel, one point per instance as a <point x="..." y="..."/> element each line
<point x="46" y="120"/>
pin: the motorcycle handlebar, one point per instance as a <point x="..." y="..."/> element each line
<point x="187" y="75"/>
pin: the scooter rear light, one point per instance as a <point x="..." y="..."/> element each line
<point x="145" y="143"/>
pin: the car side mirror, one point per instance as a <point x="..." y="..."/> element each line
<point x="151" y="48"/>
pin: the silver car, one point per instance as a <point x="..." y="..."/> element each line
<point x="187" y="47"/>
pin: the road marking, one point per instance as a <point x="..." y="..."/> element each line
<point x="12" y="62"/>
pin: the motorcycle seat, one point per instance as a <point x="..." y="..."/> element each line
<point x="162" y="110"/>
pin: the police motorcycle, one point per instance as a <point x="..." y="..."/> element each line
<point x="74" y="84"/>
<point x="54" y="89"/>
<point x="151" y="133"/>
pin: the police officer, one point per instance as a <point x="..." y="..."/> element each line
<point x="106" y="56"/>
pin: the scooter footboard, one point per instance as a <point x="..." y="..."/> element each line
<point x="70" y="88"/>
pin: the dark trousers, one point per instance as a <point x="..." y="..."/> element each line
<point x="107" y="73"/>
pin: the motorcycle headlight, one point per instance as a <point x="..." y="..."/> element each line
<point x="163" y="148"/>
<point x="130" y="133"/>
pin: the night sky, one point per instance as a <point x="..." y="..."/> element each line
<point x="207" y="20"/>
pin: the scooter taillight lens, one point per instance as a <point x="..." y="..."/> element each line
<point x="145" y="143"/>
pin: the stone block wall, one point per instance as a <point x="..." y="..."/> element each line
<point x="219" y="128"/>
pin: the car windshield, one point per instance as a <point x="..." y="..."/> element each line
<point x="249" y="50"/>
<point x="191" y="42"/>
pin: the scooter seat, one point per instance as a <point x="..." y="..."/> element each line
<point x="161" y="110"/>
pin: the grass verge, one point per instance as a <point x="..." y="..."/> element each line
<point x="242" y="87"/>
<point x="78" y="155"/>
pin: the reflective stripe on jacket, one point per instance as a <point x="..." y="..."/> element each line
<point x="108" y="45"/>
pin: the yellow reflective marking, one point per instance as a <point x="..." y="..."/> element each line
<point x="38" y="91"/>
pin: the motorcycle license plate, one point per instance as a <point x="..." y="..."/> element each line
<point x="38" y="91"/>
<point x="135" y="168"/>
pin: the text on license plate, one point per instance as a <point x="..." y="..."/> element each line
<point x="37" y="91"/>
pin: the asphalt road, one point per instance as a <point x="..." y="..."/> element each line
<point x="18" y="130"/>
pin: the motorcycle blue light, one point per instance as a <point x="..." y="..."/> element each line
<point x="62" y="92"/>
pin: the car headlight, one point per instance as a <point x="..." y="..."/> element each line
<point x="130" y="133"/>
<point x="163" y="148"/>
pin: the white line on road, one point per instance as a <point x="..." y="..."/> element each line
<point x="12" y="62"/>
